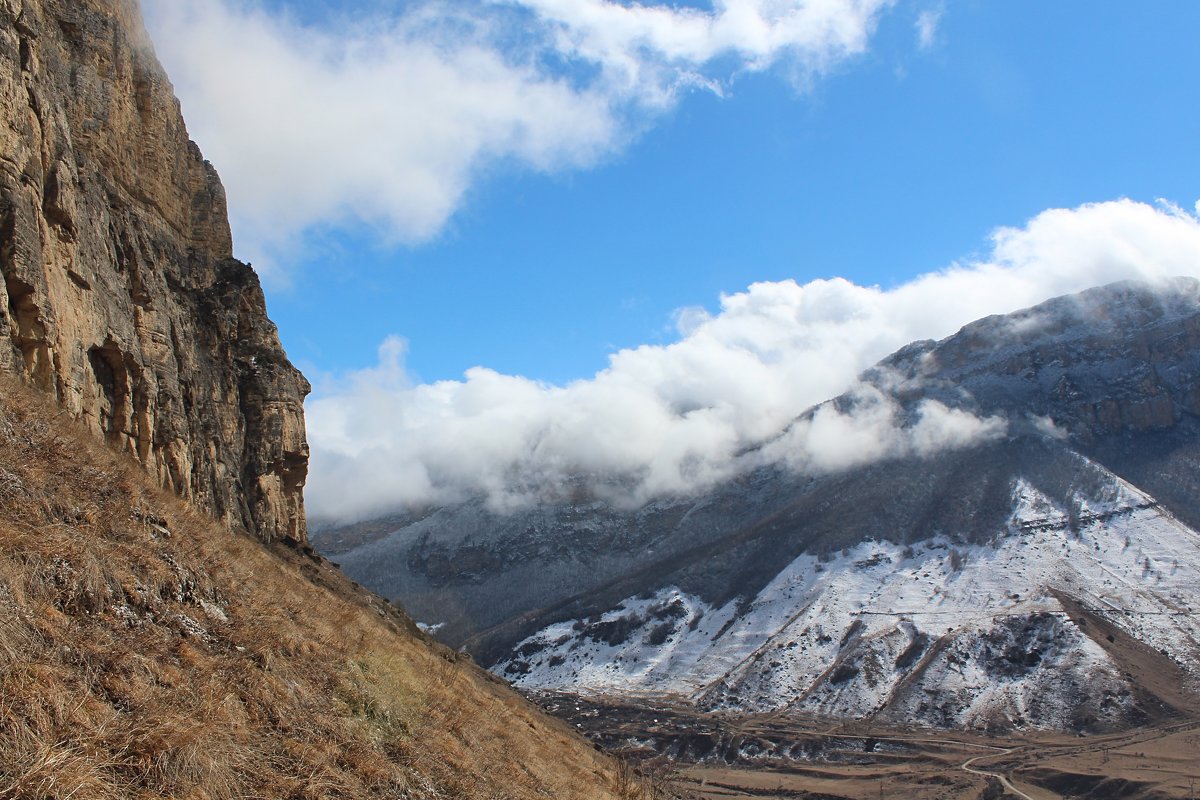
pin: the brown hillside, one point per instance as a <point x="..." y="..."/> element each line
<point x="145" y="651"/>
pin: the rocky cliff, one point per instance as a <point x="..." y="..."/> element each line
<point x="120" y="293"/>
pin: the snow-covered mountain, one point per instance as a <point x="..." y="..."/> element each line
<point x="1039" y="626"/>
<point x="1012" y="545"/>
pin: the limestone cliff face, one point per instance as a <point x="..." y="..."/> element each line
<point x="120" y="294"/>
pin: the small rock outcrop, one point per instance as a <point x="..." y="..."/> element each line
<point x="120" y="293"/>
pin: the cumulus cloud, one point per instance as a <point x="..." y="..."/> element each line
<point x="383" y="125"/>
<point x="832" y="439"/>
<point x="647" y="50"/>
<point x="727" y="394"/>
<point x="384" y="118"/>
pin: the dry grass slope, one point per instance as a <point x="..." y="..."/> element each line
<point x="147" y="652"/>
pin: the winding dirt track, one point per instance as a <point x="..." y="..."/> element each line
<point x="1004" y="781"/>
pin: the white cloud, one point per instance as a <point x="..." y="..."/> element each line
<point x="832" y="439"/>
<point x="940" y="428"/>
<point x="386" y="126"/>
<point x="648" y="49"/>
<point x="665" y="419"/>
<point x="1046" y="426"/>
<point x="387" y="119"/>
<point x="927" y="27"/>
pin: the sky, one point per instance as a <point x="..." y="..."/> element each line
<point x="541" y="238"/>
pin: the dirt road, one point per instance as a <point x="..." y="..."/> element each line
<point x="1004" y="781"/>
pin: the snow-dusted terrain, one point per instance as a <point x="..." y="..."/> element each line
<point x="1007" y="538"/>
<point x="955" y="635"/>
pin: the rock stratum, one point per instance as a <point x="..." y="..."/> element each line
<point x="121" y="296"/>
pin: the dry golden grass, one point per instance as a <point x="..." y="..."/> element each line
<point x="147" y="652"/>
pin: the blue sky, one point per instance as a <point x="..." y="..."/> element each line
<point x="897" y="164"/>
<point x="877" y="160"/>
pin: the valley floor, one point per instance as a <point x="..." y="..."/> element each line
<point x="772" y="757"/>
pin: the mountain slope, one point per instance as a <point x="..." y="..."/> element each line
<point x="788" y="579"/>
<point x="145" y="651"/>
<point x="1004" y="634"/>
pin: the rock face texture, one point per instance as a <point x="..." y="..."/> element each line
<point x="120" y="294"/>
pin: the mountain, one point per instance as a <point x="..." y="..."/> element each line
<point x="165" y="631"/>
<point x="120" y="294"/>
<point x="1013" y="546"/>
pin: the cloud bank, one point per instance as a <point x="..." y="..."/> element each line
<point x="674" y="418"/>
<point x="385" y="118"/>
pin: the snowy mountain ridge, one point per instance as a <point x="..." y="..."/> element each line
<point x="944" y="634"/>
